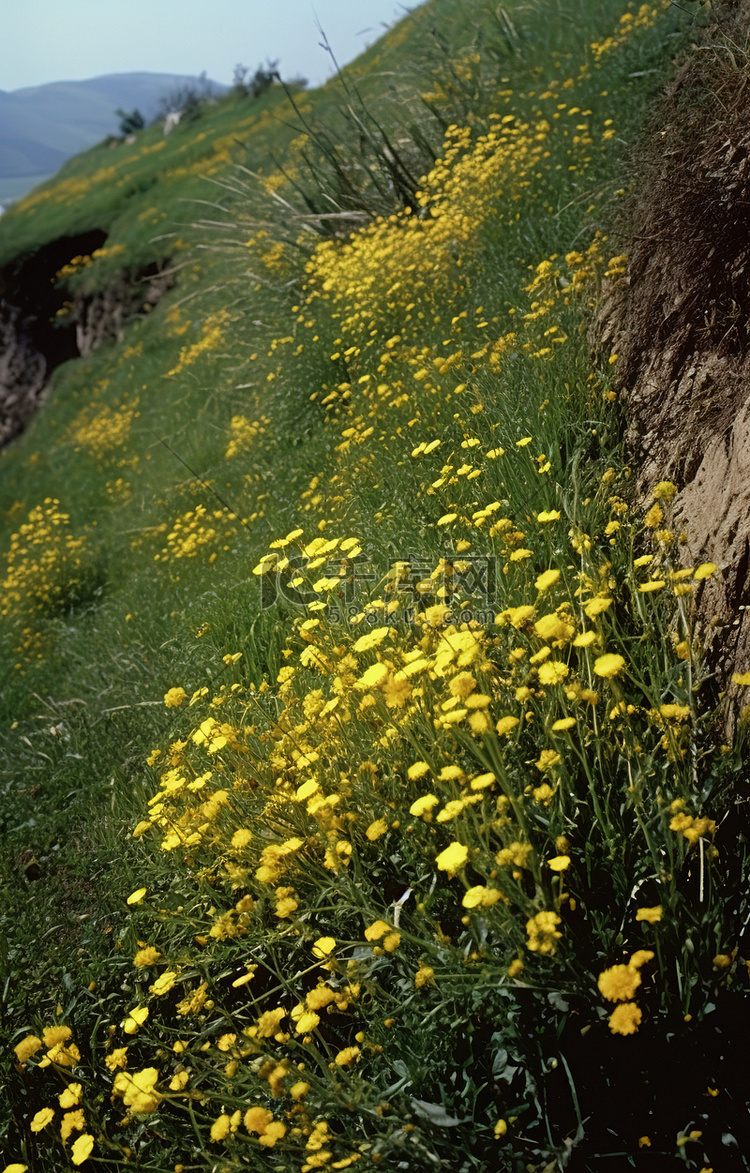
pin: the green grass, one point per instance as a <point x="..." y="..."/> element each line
<point x="135" y="437"/>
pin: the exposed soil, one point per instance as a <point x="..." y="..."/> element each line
<point x="41" y="326"/>
<point x="680" y="322"/>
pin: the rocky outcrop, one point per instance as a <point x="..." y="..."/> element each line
<point x="41" y="326"/>
<point x="680" y="325"/>
<point x="100" y="318"/>
<point x="23" y="371"/>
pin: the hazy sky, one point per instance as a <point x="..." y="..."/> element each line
<point x="60" y="40"/>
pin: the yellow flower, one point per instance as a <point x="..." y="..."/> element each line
<point x="43" y="1117"/>
<point x="655" y="584"/>
<point x="547" y="759"/>
<point x="137" y="896"/>
<point x="417" y="770"/>
<point x="371" y="639"/>
<point x="516" y="854"/>
<point x="546" y="580"/>
<point x="453" y="858"/>
<point x="71" y="1096"/>
<point x="118" y="1058"/>
<point x="146" y="956"/>
<point x="640" y="957"/>
<point x="377" y="930"/>
<point x="53" y="1035"/>
<point x="346" y="1056"/>
<point x="424" y="975"/>
<point x="138" y="1090"/>
<point x="323" y="947"/>
<point x="257" y="1119"/>
<point x="175" y="697"/>
<point x="619" y="982"/>
<point x="625" y="1019"/>
<point x="136" y="1018"/>
<point x="664" y="491"/>
<point x="505" y="725"/>
<point x="559" y="863"/>
<point x="241" y="838"/>
<point x="608" y="665"/>
<point x="542" y="933"/>
<point x="72" y="1121"/>
<point x="654" y="516"/>
<point x="674" y="712"/>
<point x="563" y="724"/>
<point x="705" y="570"/>
<point x="423" y="805"/>
<point x="516" y="616"/>
<point x="552" y="672"/>
<point x="741" y="678"/>
<point x="651" y="915"/>
<point x="221" y="1127"/>
<point x="396" y="690"/>
<point x="596" y="606"/>
<point x="82" y="1148"/>
<point x="481" y="897"/>
<point x="374" y="676"/>
<point x="376" y="829"/>
<point x="27" y="1047"/>
<point x="163" y="983"/>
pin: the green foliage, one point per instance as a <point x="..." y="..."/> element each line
<point x="131" y="122"/>
<point x="253" y="86"/>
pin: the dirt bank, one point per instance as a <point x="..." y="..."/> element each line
<point x="680" y="322"/>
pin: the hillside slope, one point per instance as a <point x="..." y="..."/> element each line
<point x="361" y="791"/>
<point x="42" y="126"/>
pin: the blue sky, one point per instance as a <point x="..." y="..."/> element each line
<point x="60" y="40"/>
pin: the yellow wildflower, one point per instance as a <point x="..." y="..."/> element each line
<point x="453" y="858"/>
<point x="651" y="915"/>
<point x="625" y="1019"/>
<point x="27" y="1047"/>
<point x="43" y="1117"/>
<point x="542" y="933"/>
<point x="608" y="665"/>
<point x="82" y="1148"/>
<point x="619" y="982"/>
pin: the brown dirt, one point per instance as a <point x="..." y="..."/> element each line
<point x="42" y="327"/>
<point x="680" y="321"/>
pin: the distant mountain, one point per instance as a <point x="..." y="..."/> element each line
<point x="42" y="126"/>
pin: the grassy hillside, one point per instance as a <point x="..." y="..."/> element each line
<point x="41" y="126"/>
<point x="360" y="803"/>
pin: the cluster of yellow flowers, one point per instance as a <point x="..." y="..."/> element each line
<point x="199" y="531"/>
<point x="103" y="429"/>
<point x="212" y="335"/>
<point x="60" y="1052"/>
<point x="630" y="22"/>
<point x="243" y="433"/>
<point x="44" y="560"/>
<point x="402" y="267"/>
<point x="463" y="743"/>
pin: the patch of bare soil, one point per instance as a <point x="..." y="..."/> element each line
<point x="680" y="322"/>
<point x="41" y="327"/>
